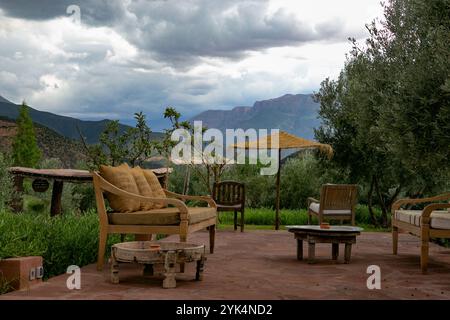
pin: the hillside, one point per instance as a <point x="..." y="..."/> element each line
<point x="295" y="114"/>
<point x="52" y="144"/>
<point x="65" y="126"/>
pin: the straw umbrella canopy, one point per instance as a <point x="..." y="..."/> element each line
<point x="282" y="141"/>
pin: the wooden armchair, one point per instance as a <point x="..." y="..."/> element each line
<point x="431" y="222"/>
<point x="337" y="202"/>
<point x="178" y="219"/>
<point x="230" y="196"/>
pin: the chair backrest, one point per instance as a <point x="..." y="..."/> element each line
<point x="229" y="193"/>
<point x="338" y="196"/>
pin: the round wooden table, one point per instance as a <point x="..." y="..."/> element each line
<point x="334" y="234"/>
<point x="166" y="257"/>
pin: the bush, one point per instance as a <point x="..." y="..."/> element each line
<point x="300" y="179"/>
<point x="63" y="240"/>
<point x="6" y="182"/>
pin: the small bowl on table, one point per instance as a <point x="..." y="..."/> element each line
<point x="324" y="225"/>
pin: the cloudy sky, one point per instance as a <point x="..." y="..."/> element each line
<point x="125" y="56"/>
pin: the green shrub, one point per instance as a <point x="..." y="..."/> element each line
<point x="35" y="205"/>
<point x="64" y="240"/>
<point x="300" y="179"/>
<point x="6" y="183"/>
<point x="5" y="285"/>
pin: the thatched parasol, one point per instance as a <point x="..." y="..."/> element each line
<point x="280" y="141"/>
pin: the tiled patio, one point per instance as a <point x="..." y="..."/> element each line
<point x="263" y="265"/>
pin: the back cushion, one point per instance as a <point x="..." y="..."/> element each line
<point x="122" y="178"/>
<point x="154" y="184"/>
<point x="144" y="188"/>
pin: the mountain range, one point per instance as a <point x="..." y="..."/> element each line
<point x="293" y="113"/>
<point x="65" y="126"/>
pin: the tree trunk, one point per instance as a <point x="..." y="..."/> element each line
<point x="373" y="219"/>
<point x="394" y="197"/>
<point x="384" y="217"/>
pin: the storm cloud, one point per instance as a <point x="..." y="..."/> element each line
<point x="126" y="56"/>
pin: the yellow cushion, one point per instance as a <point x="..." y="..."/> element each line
<point x="144" y="188"/>
<point x="164" y="216"/>
<point x="155" y="186"/>
<point x="122" y="178"/>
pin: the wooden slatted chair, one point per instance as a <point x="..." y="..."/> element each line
<point x="337" y="202"/>
<point x="230" y="196"/>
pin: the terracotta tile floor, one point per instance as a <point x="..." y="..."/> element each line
<point x="263" y="265"/>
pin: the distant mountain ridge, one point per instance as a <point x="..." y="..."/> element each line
<point x="65" y="126"/>
<point x="294" y="113"/>
<point x="52" y="144"/>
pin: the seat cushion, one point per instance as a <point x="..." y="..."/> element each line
<point x="315" y="207"/>
<point x="163" y="216"/>
<point x="122" y="178"/>
<point x="224" y="207"/>
<point x="155" y="186"/>
<point x="439" y="219"/>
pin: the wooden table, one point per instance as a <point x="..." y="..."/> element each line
<point x="166" y="258"/>
<point x="334" y="235"/>
<point x="58" y="176"/>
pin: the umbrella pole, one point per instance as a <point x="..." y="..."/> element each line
<point x="277" y="204"/>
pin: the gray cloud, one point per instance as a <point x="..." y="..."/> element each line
<point x="94" y="12"/>
<point x="179" y="32"/>
<point x="145" y="55"/>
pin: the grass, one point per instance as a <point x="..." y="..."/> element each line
<point x="264" y="218"/>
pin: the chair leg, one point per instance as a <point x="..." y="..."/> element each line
<point x="394" y="239"/>
<point x="242" y="220"/>
<point x="122" y="237"/>
<point x="424" y="257"/>
<point x="235" y="220"/>
<point x="183" y="238"/>
<point x="424" y="248"/>
<point x="212" y="236"/>
<point x="101" y="249"/>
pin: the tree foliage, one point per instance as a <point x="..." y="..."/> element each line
<point x="26" y="152"/>
<point x="387" y="116"/>
<point x="135" y="145"/>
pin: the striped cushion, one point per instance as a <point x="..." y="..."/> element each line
<point x="122" y="178"/>
<point x="439" y="219"/>
<point x="316" y="207"/>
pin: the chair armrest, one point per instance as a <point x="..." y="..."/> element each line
<point x="206" y="199"/>
<point x="402" y="202"/>
<point x="312" y="200"/>
<point x="432" y="207"/>
<point x="108" y="187"/>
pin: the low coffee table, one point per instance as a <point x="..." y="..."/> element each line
<point x="166" y="257"/>
<point x="334" y="235"/>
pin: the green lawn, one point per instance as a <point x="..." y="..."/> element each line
<point x="264" y="218"/>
